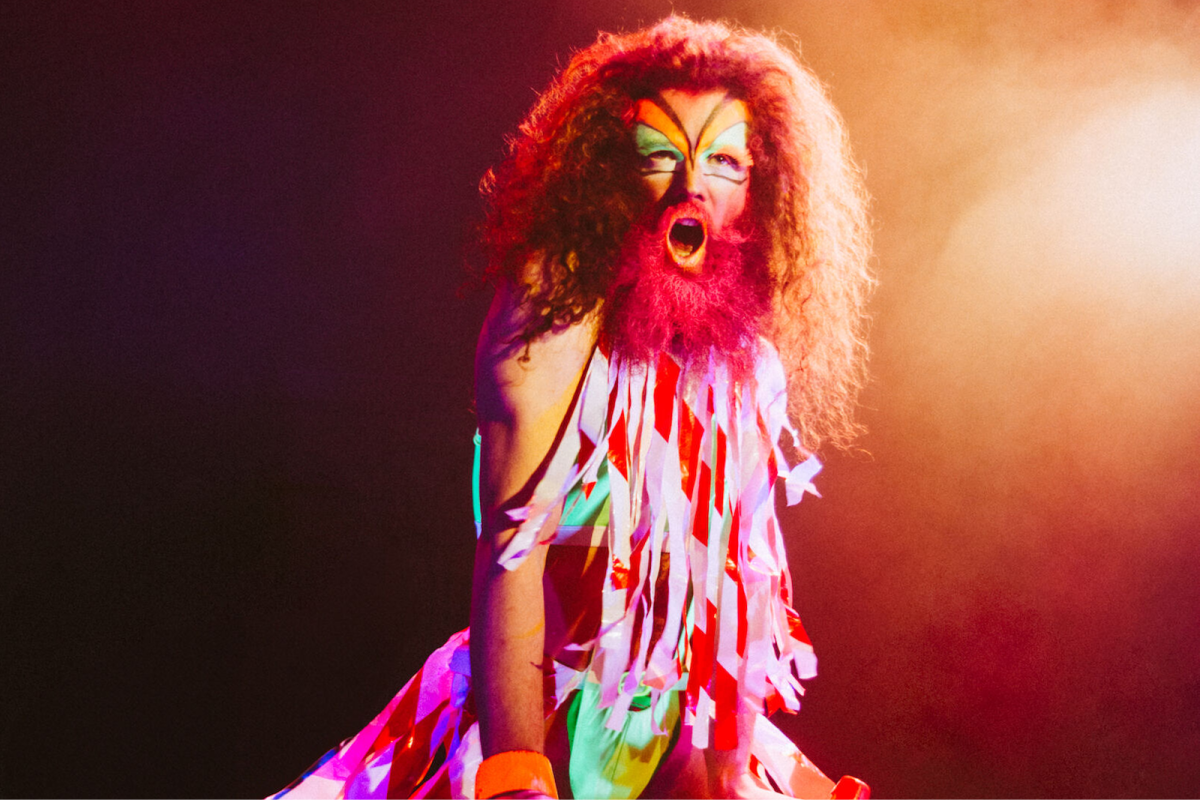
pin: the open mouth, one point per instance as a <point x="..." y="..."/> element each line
<point x="685" y="243"/>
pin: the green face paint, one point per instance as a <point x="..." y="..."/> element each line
<point x="657" y="152"/>
<point x="727" y="157"/>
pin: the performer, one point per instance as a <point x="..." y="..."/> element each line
<point x="679" y="247"/>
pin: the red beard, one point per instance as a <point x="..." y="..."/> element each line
<point x="653" y="306"/>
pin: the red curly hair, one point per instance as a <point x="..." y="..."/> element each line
<point x="565" y="198"/>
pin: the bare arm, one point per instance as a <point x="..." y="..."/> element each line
<point x="521" y="404"/>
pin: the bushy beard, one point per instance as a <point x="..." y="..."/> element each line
<point x="655" y="307"/>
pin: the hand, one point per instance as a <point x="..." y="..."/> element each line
<point x="730" y="776"/>
<point x="748" y="785"/>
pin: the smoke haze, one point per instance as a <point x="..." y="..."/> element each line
<point x="236" y="499"/>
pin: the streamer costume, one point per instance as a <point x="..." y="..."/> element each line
<point x="727" y="322"/>
<point x="650" y="466"/>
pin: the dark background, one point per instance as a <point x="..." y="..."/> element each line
<point x="236" y="384"/>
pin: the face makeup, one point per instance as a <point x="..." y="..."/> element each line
<point x="693" y="149"/>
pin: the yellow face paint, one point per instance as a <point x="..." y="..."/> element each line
<point x="725" y="116"/>
<point x="649" y="114"/>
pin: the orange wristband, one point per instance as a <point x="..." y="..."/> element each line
<point x="514" y="770"/>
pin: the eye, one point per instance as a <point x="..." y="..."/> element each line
<point x="727" y="165"/>
<point x="659" y="161"/>
<point x="659" y="154"/>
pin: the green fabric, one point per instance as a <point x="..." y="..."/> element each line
<point x="617" y="764"/>
<point x="588" y="511"/>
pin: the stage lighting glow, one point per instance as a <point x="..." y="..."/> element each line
<point x="1124" y="190"/>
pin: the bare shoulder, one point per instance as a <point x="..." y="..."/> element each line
<point x="515" y="383"/>
<point x="522" y="395"/>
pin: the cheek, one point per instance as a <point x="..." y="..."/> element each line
<point x="657" y="185"/>
<point x="732" y="201"/>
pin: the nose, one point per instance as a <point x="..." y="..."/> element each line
<point x="693" y="183"/>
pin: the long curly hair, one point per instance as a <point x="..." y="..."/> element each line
<point x="562" y="202"/>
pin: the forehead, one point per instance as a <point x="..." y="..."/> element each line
<point x="694" y="113"/>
